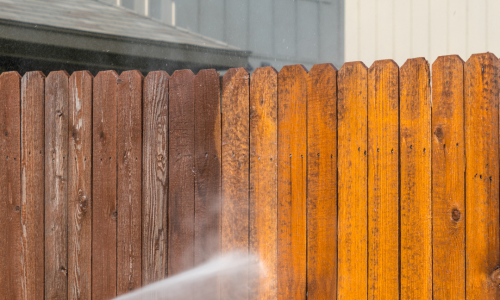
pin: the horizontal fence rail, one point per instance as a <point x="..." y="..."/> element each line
<point x="358" y="183"/>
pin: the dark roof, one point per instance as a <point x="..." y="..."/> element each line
<point x="95" y="26"/>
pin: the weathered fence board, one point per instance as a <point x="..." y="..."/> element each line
<point x="129" y="179"/>
<point x="181" y="175"/>
<point x="155" y="177"/>
<point x="383" y="180"/>
<point x="482" y="177"/>
<point x="104" y="208"/>
<point x="235" y="167"/>
<point x="292" y="172"/>
<point x="32" y="184"/>
<point x="322" y="182"/>
<point x="346" y="185"/>
<point x="352" y="109"/>
<point x="207" y="165"/>
<point x="80" y="186"/>
<point x="264" y="178"/>
<point x="416" y="208"/>
<point x="11" y="257"/>
<point x="448" y="171"/>
<point x="56" y="185"/>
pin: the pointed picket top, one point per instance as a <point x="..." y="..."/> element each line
<point x="10" y="74"/>
<point x="297" y="70"/>
<point x="265" y="70"/>
<point x="482" y="57"/>
<point x="107" y="73"/>
<point x="235" y="73"/>
<point x="83" y="73"/>
<point x="185" y="72"/>
<point x="418" y="61"/>
<point x="157" y="73"/>
<point x="132" y="74"/>
<point x="206" y="72"/>
<point x="383" y="63"/>
<point x="58" y="73"/>
<point x="323" y="67"/>
<point x="351" y="65"/>
<point x="454" y="58"/>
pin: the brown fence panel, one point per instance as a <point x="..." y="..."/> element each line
<point x="448" y="178"/>
<point x="481" y="149"/>
<point x="264" y="178"/>
<point x="207" y="166"/>
<point x="104" y="208"/>
<point x="416" y="209"/>
<point x="322" y="182"/>
<point x="32" y="184"/>
<point x="129" y="181"/>
<point x="292" y="172"/>
<point x="56" y="185"/>
<point x="235" y="166"/>
<point x="352" y="117"/>
<point x="181" y="176"/>
<point x="155" y="177"/>
<point x="80" y="186"/>
<point x="383" y="180"/>
<point x="11" y="270"/>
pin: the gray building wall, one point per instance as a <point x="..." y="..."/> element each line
<point x="278" y="32"/>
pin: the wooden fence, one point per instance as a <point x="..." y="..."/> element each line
<point x="350" y="184"/>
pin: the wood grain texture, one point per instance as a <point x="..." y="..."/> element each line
<point x="155" y="177"/>
<point x="104" y="175"/>
<point x="448" y="178"/>
<point x="10" y="186"/>
<point x="292" y="161"/>
<point x="129" y="182"/>
<point x="482" y="177"/>
<point x="207" y="165"/>
<point x="383" y="180"/>
<point x="322" y="182"/>
<point x="264" y="178"/>
<point x="32" y="184"/>
<point x="80" y="186"/>
<point x="416" y="206"/>
<point x="235" y="167"/>
<point x="56" y="185"/>
<point x="181" y="175"/>
<point x="352" y="109"/>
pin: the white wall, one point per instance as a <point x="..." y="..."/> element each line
<point x="401" y="29"/>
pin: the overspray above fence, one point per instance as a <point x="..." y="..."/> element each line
<point x="349" y="184"/>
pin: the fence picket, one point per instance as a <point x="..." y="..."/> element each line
<point x="448" y="171"/>
<point x="56" y="185"/>
<point x="129" y="183"/>
<point x="383" y="180"/>
<point x="104" y="206"/>
<point x="292" y="172"/>
<point x="322" y="182"/>
<point x="155" y="177"/>
<point x="482" y="177"/>
<point x="264" y="178"/>
<point x="80" y="186"/>
<point x="352" y="109"/>
<point x="207" y="165"/>
<point x="32" y="184"/>
<point x="235" y="167"/>
<point x="11" y="270"/>
<point x="416" y="208"/>
<point x="181" y="176"/>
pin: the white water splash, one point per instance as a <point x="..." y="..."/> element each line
<point x="233" y="274"/>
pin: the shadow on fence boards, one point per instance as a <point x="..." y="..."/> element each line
<point x="350" y="184"/>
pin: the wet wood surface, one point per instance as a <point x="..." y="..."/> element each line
<point x="292" y="172"/>
<point x="322" y="182"/>
<point x="264" y="178"/>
